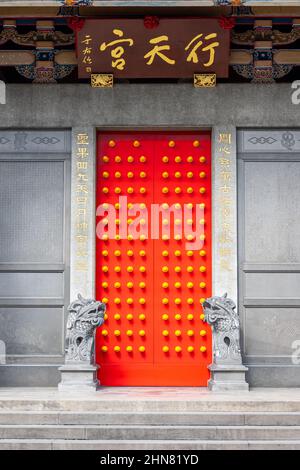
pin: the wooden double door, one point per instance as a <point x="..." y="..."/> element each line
<point x="153" y="284"/>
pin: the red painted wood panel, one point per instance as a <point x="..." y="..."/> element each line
<point x="154" y="333"/>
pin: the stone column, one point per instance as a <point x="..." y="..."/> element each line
<point x="82" y="375"/>
<point x="226" y="375"/>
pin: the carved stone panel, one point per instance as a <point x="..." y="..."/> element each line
<point x="32" y="141"/>
<point x="269" y="141"/>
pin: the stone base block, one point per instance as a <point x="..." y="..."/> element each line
<point x="227" y="378"/>
<point x="78" y="377"/>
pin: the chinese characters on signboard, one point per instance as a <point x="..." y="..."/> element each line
<point x="225" y="201"/>
<point x="81" y="207"/>
<point x="175" y="48"/>
<point x="86" y="52"/>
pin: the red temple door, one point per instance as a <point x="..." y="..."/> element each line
<point x="154" y="332"/>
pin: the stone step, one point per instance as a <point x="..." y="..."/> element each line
<point x="142" y="432"/>
<point x="59" y="444"/>
<point x="150" y="418"/>
<point x="102" y="404"/>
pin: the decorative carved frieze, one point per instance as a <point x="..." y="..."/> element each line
<point x="278" y="38"/>
<point x="277" y="141"/>
<point x="44" y="73"/>
<point x="263" y="74"/>
<point x="265" y="67"/>
<point x="205" y="80"/>
<point x="10" y="33"/>
<point x="102" y="80"/>
<point x="45" y="38"/>
<point x="56" y="141"/>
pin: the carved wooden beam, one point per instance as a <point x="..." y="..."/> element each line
<point x="66" y="58"/>
<point x="10" y="58"/>
<point x="45" y="31"/>
<point x="237" y="57"/>
<point x="286" y="57"/>
<point x="263" y="31"/>
<point x="240" y="57"/>
<point x="13" y="58"/>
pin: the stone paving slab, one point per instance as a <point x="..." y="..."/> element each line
<point x="34" y="444"/>
<point x="179" y="418"/>
<point x="144" y="393"/>
<point x="146" y="399"/>
<point x="153" y="433"/>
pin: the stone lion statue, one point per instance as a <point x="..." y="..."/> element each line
<point x="221" y="315"/>
<point x="85" y="315"/>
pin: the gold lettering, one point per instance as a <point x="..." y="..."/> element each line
<point x="82" y="188"/>
<point x="81" y="200"/>
<point x="193" y="56"/>
<point x="82" y="165"/>
<point x="158" y="50"/>
<point x="224" y="162"/>
<point x="82" y="152"/>
<point x="81" y="238"/>
<point x="117" y="52"/>
<point x="225" y="149"/>
<point x="226" y="175"/>
<point x="87" y="39"/>
<point x="82" y="226"/>
<point x="225" y="138"/>
<point x="82" y="177"/>
<point x="225" y="188"/>
<point x="82" y="139"/>
<point x="81" y="266"/>
<point x="225" y="264"/>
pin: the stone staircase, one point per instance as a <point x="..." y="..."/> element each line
<point x="172" y="421"/>
<point x="149" y="430"/>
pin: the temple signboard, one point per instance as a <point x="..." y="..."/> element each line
<point x="153" y="48"/>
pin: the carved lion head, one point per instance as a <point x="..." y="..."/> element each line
<point x="218" y="308"/>
<point x="88" y="310"/>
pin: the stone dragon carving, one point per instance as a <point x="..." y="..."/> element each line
<point x="85" y="315"/>
<point x="221" y="315"/>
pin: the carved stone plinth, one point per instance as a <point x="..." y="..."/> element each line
<point x="228" y="378"/>
<point x="227" y="369"/>
<point x="79" y="371"/>
<point x="78" y="377"/>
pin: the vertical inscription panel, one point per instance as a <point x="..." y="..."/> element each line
<point x="82" y="213"/>
<point x="224" y="216"/>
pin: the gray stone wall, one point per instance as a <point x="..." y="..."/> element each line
<point x="154" y="105"/>
<point x="226" y="108"/>
<point x="269" y="254"/>
<point x="34" y="253"/>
